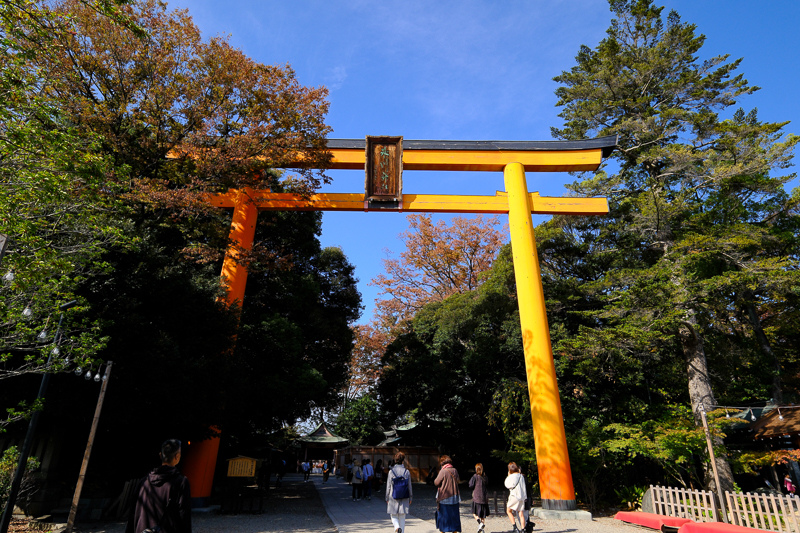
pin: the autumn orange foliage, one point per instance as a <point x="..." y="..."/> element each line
<point x="365" y="361"/>
<point x="185" y="115"/>
<point x="439" y="260"/>
<point x="179" y="115"/>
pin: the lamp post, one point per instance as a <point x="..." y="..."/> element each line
<point x="28" y="443"/>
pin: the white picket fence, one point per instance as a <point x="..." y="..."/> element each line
<point x="697" y="505"/>
<point x="770" y="512"/>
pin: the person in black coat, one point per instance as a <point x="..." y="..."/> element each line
<point x="164" y="499"/>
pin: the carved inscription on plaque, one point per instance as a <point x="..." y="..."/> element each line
<point x="384" y="169"/>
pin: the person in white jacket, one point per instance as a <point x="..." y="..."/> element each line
<point x="515" y="483"/>
<point x="398" y="508"/>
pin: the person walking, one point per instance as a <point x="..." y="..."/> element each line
<point x="326" y="471"/>
<point x="447" y="497"/>
<point x="379" y="475"/>
<point x="479" y="484"/>
<point x="398" y="492"/>
<point x="518" y="494"/>
<point x="281" y="472"/>
<point x="787" y="483"/>
<point x="164" y="499"/>
<point x="306" y="470"/>
<point x="357" y="481"/>
<point x="369" y="477"/>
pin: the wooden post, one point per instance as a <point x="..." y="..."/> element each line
<point x="73" y="510"/>
<point x="720" y="496"/>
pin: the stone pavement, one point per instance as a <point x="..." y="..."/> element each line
<point x="369" y="516"/>
<point x="365" y="516"/>
<point x="317" y="507"/>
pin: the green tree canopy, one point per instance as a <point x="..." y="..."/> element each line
<point x="359" y="422"/>
<point x="58" y="203"/>
<point x="701" y="239"/>
<point x="448" y="362"/>
<point x="134" y="128"/>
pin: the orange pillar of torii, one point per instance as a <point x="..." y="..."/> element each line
<point x="384" y="159"/>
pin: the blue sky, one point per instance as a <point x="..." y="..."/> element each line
<point x="470" y="70"/>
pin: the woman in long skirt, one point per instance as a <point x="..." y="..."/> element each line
<point x="447" y="497"/>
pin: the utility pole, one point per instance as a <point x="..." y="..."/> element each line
<point x="73" y="510"/>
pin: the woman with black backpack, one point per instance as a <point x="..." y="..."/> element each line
<point x="398" y="492"/>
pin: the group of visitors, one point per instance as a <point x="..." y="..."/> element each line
<point x="315" y="467"/>
<point x="364" y="478"/>
<point x="448" y="497"/>
<point x="163" y="497"/>
<point x="368" y="473"/>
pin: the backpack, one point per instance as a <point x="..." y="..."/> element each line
<point x="358" y="473"/>
<point x="529" y="526"/>
<point x="400" y="488"/>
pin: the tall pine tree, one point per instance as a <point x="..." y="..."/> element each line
<point x="701" y="239"/>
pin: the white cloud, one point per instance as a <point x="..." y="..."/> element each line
<point x="335" y="77"/>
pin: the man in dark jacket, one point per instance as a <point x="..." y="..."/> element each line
<point x="163" y="501"/>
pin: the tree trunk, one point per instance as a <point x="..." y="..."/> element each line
<point x="766" y="348"/>
<point x="700" y="394"/>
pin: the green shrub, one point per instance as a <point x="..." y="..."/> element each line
<point x="8" y="465"/>
<point x="631" y="497"/>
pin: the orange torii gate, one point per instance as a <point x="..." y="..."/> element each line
<point x="384" y="159"/>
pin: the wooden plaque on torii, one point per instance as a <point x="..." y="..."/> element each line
<point x="384" y="170"/>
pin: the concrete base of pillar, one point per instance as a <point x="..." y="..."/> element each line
<point x="552" y="514"/>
